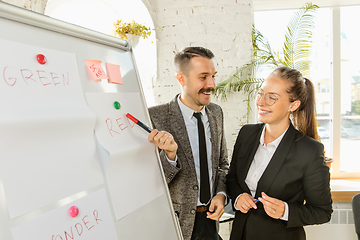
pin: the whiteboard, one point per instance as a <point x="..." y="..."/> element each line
<point x="64" y="146"/>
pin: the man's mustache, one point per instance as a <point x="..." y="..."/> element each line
<point x="207" y="90"/>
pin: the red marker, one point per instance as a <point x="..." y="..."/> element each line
<point x="132" y="118"/>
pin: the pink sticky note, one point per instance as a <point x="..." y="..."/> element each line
<point x="114" y="73"/>
<point x="95" y="69"/>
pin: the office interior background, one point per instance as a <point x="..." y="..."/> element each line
<point x="225" y="27"/>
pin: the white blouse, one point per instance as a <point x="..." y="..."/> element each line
<point x="261" y="160"/>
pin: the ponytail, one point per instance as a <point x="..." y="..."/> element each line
<point x="304" y="117"/>
<point x="301" y="89"/>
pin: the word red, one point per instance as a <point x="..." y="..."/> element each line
<point x="13" y="76"/>
<point x="119" y="125"/>
<point x="86" y="224"/>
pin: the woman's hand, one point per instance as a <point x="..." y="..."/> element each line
<point x="275" y="208"/>
<point x="245" y="202"/>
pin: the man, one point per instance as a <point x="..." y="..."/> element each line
<point x="197" y="203"/>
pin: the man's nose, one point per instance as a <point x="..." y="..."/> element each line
<point x="210" y="83"/>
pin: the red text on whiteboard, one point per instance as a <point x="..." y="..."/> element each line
<point x="85" y="224"/>
<point x="119" y="125"/>
<point x="13" y="77"/>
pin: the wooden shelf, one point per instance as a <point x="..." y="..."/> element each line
<point x="343" y="190"/>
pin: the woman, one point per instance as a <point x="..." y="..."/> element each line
<point x="278" y="181"/>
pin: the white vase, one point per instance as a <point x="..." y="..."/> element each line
<point x="133" y="39"/>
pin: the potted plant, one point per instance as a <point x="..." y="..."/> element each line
<point x="296" y="50"/>
<point x="131" y="30"/>
<point x="295" y="54"/>
<point x="329" y="162"/>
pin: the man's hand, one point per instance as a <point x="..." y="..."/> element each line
<point x="165" y="141"/>
<point x="217" y="207"/>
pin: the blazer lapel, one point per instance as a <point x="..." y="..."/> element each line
<point x="179" y="131"/>
<point x="276" y="162"/>
<point x="252" y="145"/>
<point x="215" y="140"/>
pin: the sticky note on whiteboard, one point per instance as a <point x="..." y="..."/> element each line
<point x="113" y="70"/>
<point x="95" y="69"/>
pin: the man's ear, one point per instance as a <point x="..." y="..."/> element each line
<point x="294" y="105"/>
<point x="181" y="78"/>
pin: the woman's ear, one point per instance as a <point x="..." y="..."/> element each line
<point x="294" y="105"/>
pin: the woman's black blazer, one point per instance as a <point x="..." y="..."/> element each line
<point x="296" y="174"/>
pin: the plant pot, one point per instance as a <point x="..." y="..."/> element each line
<point x="328" y="162"/>
<point x="133" y="39"/>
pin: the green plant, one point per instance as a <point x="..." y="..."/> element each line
<point x="295" y="54"/>
<point x="122" y="28"/>
<point x="355" y="107"/>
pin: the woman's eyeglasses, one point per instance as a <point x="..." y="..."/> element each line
<point x="269" y="98"/>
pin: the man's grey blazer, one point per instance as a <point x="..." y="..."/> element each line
<point x="181" y="179"/>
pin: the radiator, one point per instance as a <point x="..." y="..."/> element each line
<point x="342" y="216"/>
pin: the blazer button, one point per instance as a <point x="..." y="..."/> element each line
<point x="193" y="211"/>
<point x="195" y="187"/>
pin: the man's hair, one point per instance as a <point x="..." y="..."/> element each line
<point x="183" y="57"/>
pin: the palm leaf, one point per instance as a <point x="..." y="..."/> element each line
<point x="295" y="54"/>
<point x="298" y="39"/>
<point x="242" y="79"/>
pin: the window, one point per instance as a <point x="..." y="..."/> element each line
<point x="99" y="15"/>
<point x="335" y="73"/>
<point x="323" y="87"/>
<point x="350" y="93"/>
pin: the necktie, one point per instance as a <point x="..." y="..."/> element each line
<point x="204" y="172"/>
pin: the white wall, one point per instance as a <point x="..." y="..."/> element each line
<point x="33" y="5"/>
<point x="222" y="26"/>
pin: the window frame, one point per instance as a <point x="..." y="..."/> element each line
<point x="335" y="89"/>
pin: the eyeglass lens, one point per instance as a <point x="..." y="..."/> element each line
<point x="269" y="98"/>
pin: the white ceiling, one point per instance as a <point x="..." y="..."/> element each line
<point x="259" y="5"/>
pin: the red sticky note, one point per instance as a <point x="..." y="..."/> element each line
<point x="114" y="73"/>
<point x="95" y="69"/>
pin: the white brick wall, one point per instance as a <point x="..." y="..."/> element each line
<point x="33" y="5"/>
<point x="222" y="26"/>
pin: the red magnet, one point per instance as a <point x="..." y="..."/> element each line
<point x="73" y="211"/>
<point x="41" y="59"/>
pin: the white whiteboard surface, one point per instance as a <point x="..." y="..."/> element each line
<point x="47" y="133"/>
<point x="128" y="149"/>
<point x="94" y="221"/>
<point x="39" y="111"/>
